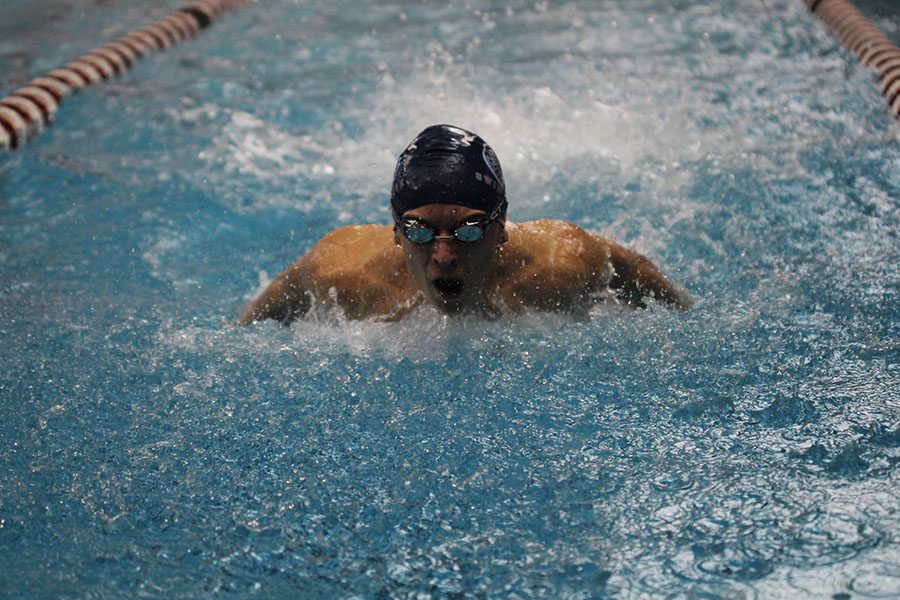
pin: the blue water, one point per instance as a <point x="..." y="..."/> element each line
<point x="747" y="448"/>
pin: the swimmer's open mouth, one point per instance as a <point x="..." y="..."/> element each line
<point x="448" y="288"/>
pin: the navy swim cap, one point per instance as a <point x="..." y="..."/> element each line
<point x="448" y="165"/>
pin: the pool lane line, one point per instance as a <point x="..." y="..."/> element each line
<point x="857" y="33"/>
<point x="28" y="110"/>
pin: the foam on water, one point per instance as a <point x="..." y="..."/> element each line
<point x="745" y="448"/>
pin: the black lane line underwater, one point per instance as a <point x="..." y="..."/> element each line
<point x="858" y="35"/>
<point x="31" y="108"/>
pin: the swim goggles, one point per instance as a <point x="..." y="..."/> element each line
<point x="419" y="232"/>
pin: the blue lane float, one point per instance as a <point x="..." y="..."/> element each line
<point x="28" y="110"/>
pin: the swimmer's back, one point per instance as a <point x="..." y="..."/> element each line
<point x="546" y="264"/>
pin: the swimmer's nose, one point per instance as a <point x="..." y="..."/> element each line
<point x="443" y="254"/>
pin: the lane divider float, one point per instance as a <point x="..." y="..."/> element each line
<point x="857" y="33"/>
<point x="31" y="108"/>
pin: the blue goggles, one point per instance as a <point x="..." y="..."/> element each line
<point x="420" y="232"/>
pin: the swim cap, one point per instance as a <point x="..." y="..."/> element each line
<point x="448" y="165"/>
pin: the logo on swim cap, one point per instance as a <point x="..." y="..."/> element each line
<point x="493" y="163"/>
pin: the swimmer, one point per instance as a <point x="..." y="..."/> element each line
<point x="451" y="247"/>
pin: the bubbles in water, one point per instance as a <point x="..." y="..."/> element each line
<point x="746" y="447"/>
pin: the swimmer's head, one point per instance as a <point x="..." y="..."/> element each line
<point x="448" y="165"/>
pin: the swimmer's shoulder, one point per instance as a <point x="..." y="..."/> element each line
<point x="354" y="248"/>
<point x="355" y="234"/>
<point x="565" y="257"/>
<point x="356" y="268"/>
<point x="360" y="267"/>
<point x="546" y="243"/>
<point x="551" y="264"/>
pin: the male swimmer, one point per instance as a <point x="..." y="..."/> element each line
<point x="452" y="248"/>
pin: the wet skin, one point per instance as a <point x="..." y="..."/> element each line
<point x="373" y="271"/>
<point x="453" y="275"/>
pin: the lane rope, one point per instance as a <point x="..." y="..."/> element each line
<point x="30" y="109"/>
<point x="858" y="35"/>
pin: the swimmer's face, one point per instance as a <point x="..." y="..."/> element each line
<point x="455" y="276"/>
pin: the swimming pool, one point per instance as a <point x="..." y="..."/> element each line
<point x="746" y="448"/>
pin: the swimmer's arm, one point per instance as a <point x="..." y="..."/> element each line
<point x="285" y="299"/>
<point x="634" y="278"/>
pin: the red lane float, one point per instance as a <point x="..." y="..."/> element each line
<point x="15" y="126"/>
<point x="857" y="33"/>
<point x="31" y="108"/>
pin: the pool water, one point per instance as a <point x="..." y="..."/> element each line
<point x="747" y="448"/>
